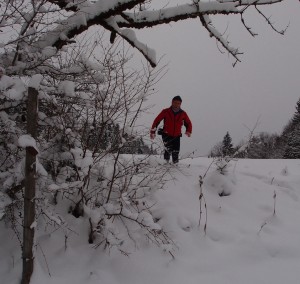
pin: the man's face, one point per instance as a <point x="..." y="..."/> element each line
<point x="176" y="105"/>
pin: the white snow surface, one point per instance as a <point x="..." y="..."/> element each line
<point x="245" y="242"/>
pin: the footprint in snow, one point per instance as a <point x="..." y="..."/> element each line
<point x="184" y="223"/>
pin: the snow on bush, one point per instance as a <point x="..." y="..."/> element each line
<point x="12" y="88"/>
<point x="67" y="88"/>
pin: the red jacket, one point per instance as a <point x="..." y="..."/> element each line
<point x="173" y="121"/>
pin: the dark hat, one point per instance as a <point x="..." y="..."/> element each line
<point x="177" y="98"/>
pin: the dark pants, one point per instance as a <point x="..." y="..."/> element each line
<point x="172" y="147"/>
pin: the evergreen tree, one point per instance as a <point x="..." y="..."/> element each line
<point x="288" y="138"/>
<point x="227" y="147"/>
<point x="292" y="123"/>
<point x="292" y="150"/>
<point x="296" y="117"/>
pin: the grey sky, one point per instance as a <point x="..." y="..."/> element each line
<point x="218" y="97"/>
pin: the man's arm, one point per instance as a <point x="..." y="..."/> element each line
<point x="155" y="123"/>
<point x="188" y="125"/>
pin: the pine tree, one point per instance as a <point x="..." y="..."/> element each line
<point x="293" y="122"/>
<point x="227" y="147"/>
<point x="296" y="117"/>
<point x="292" y="150"/>
<point x="290" y="135"/>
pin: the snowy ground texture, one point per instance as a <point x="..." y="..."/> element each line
<point x="245" y="242"/>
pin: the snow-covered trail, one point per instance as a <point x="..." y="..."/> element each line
<point x="244" y="241"/>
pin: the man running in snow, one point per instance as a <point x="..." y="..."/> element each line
<point x="174" y="117"/>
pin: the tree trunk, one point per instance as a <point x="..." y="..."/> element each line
<point x="29" y="196"/>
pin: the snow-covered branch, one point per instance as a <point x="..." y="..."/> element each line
<point x="88" y="15"/>
<point x="178" y="13"/>
<point x="115" y="15"/>
<point x="214" y="33"/>
<point x="67" y="19"/>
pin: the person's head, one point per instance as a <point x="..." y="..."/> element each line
<point x="176" y="103"/>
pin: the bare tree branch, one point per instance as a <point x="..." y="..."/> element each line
<point x="268" y="19"/>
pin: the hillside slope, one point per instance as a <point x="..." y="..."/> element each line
<point x="244" y="241"/>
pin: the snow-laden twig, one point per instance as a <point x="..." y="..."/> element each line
<point x="201" y="197"/>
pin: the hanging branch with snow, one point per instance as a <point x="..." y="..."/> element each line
<point x="52" y="23"/>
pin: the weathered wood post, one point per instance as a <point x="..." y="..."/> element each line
<point x="30" y="184"/>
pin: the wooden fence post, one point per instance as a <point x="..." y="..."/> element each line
<point x="30" y="184"/>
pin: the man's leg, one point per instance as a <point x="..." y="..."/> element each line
<point x="176" y="149"/>
<point x="168" y="148"/>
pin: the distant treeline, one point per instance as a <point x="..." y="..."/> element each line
<point x="264" y="145"/>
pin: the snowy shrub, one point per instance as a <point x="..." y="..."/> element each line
<point x="83" y="128"/>
<point x="222" y="164"/>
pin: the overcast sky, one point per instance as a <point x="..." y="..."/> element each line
<point x="218" y="97"/>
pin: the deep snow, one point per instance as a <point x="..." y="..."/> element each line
<point x="245" y="242"/>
